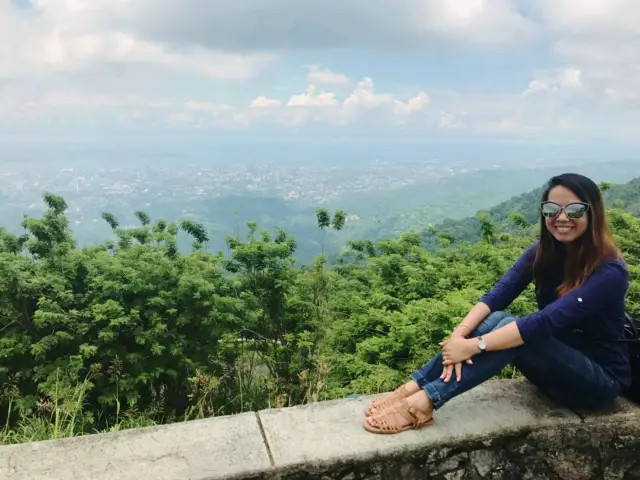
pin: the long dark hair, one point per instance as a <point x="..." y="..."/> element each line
<point x="589" y="251"/>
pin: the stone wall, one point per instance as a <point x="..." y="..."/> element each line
<point x="500" y="430"/>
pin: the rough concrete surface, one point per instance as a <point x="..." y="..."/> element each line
<point x="621" y="409"/>
<point x="199" y="450"/>
<point x="500" y="430"/>
<point x="328" y="430"/>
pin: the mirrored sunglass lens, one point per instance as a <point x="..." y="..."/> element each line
<point x="575" y="210"/>
<point x="550" y="210"/>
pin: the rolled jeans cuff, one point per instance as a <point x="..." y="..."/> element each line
<point x="429" y="389"/>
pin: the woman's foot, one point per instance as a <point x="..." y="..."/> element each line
<point x="399" y="394"/>
<point x="409" y="413"/>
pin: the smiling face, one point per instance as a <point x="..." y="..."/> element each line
<point x="563" y="228"/>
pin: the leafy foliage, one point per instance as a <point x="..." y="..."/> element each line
<point x="131" y="328"/>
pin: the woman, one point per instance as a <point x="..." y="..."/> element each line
<point x="581" y="281"/>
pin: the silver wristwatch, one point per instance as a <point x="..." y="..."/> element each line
<point x="481" y="345"/>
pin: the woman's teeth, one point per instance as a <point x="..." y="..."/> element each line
<point x="564" y="229"/>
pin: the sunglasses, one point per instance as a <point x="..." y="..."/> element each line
<point x="572" y="210"/>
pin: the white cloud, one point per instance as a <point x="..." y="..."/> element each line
<point x="413" y="105"/>
<point x="253" y="25"/>
<point x="71" y="36"/>
<point x="600" y="39"/>
<point x="451" y="120"/>
<point x="324" y="76"/>
<point x="264" y="102"/>
<point x="363" y="96"/>
<point x="570" y="78"/>
<point x="536" y="86"/>
<point x="316" y="106"/>
<point x="312" y="99"/>
<point x="476" y="22"/>
<point x="595" y="17"/>
<point x="565" y="80"/>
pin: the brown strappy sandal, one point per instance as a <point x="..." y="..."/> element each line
<point x="399" y="419"/>
<point x="382" y="403"/>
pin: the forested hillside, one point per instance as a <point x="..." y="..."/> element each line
<point x="132" y="333"/>
<point x="522" y="211"/>
<point x="456" y="198"/>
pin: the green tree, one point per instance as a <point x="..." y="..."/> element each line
<point x="605" y="186"/>
<point x="197" y="231"/>
<point x="143" y="217"/>
<point x="487" y="227"/>
<point x="111" y="220"/>
<point x="518" y="219"/>
<point x="325" y="221"/>
<point x="133" y="332"/>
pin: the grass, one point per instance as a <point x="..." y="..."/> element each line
<point x="64" y="414"/>
<point x="63" y="417"/>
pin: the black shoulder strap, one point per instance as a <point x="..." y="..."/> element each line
<point x="633" y="326"/>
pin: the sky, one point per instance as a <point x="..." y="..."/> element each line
<point x="546" y="72"/>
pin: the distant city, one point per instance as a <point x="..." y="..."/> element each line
<point x="313" y="183"/>
<point x="381" y="198"/>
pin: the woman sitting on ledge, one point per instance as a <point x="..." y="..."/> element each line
<point x="581" y="281"/>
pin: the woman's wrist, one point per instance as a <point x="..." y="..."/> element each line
<point x="472" y="344"/>
<point x="462" y="330"/>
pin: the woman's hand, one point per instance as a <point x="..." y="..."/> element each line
<point x="455" y="351"/>
<point x="447" y="371"/>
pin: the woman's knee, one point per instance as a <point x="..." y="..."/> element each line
<point x="494" y="321"/>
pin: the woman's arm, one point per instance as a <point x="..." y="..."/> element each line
<point x="476" y="315"/>
<point x="607" y="284"/>
<point x="505" y="291"/>
<point x="513" y="282"/>
<point x="507" y="336"/>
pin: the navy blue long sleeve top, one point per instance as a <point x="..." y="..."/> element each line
<point x="587" y="318"/>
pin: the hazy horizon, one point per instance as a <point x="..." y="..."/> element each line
<point x="216" y="151"/>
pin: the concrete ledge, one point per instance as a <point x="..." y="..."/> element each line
<point x="502" y="429"/>
<point x="325" y="432"/>
<point x="224" y="447"/>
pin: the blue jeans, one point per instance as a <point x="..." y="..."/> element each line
<point x="563" y="373"/>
